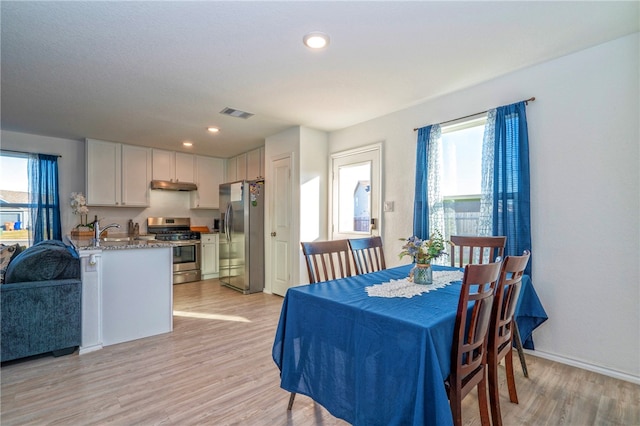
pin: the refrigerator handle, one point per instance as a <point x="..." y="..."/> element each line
<point x="227" y="222"/>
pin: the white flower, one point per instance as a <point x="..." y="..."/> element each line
<point x="79" y="203"/>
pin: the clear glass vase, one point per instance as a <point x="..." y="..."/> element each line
<point x="422" y="274"/>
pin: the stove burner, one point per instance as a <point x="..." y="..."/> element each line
<point x="171" y="229"/>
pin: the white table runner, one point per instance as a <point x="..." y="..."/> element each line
<point x="406" y="288"/>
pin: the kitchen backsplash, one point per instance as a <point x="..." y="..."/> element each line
<point x="163" y="204"/>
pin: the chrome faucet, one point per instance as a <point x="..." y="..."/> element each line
<point x="97" y="232"/>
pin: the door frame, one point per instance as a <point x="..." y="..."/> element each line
<point x="375" y="212"/>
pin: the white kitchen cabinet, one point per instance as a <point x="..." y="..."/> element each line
<point x="241" y="166"/>
<point x="232" y="169"/>
<point x="117" y="174"/>
<point x="209" y="174"/>
<point x="209" y="268"/>
<point x="164" y="165"/>
<point x="136" y="175"/>
<point x="255" y="164"/>
<point x="249" y="165"/>
<point x="173" y="166"/>
<point x="184" y="167"/>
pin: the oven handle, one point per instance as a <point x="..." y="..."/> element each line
<point x="185" y="243"/>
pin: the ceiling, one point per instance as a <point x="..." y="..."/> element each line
<point x="159" y="73"/>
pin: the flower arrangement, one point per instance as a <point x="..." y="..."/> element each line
<point x="424" y="251"/>
<point x="79" y="203"/>
<point x="79" y="206"/>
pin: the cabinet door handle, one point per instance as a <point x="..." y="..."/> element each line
<point x="273" y="234"/>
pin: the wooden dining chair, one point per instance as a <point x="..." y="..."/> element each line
<point x="501" y="331"/>
<point x="466" y="250"/>
<point x="469" y="351"/>
<point x="327" y="260"/>
<point x="368" y="254"/>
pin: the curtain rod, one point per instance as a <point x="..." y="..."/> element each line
<point x="28" y="153"/>
<point x="526" y="101"/>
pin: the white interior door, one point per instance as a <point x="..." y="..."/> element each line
<point x="355" y="195"/>
<point x="281" y="210"/>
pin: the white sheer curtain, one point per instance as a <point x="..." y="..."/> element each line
<point x="434" y="161"/>
<point x="485" y="222"/>
<point x="441" y="218"/>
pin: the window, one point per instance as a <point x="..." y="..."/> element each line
<point x="14" y="199"/>
<point x="355" y="195"/>
<point x="462" y="176"/>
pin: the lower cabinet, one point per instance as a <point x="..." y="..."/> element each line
<point x="210" y="268"/>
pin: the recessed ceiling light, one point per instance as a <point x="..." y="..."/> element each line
<point x="316" y="40"/>
<point x="187" y="144"/>
<point x="213" y="129"/>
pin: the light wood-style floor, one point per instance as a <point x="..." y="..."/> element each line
<point x="216" y="369"/>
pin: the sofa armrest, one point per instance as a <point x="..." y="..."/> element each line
<point x="40" y="317"/>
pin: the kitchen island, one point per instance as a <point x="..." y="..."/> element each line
<point x="127" y="290"/>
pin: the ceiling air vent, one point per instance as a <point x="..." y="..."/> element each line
<point x="236" y="113"/>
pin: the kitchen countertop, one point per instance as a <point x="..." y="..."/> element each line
<point x="120" y="244"/>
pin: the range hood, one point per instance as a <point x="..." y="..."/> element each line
<point x="173" y="186"/>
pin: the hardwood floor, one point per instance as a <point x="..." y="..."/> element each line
<point x="216" y="369"/>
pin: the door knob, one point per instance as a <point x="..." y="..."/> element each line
<point x="273" y="234"/>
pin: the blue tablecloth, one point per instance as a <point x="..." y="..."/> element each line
<point x="371" y="360"/>
<point x="529" y="312"/>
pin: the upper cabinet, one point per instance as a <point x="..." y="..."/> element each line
<point x="185" y="164"/>
<point x="173" y="166"/>
<point x="255" y="163"/>
<point x="241" y="166"/>
<point x="232" y="169"/>
<point x="249" y="165"/>
<point x="117" y="174"/>
<point x="209" y="173"/>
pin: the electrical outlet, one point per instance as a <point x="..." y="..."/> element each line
<point x="388" y="206"/>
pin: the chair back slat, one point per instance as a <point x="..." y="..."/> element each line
<point x="368" y="254"/>
<point x="327" y="260"/>
<point x="468" y="250"/>
<point x="507" y="294"/>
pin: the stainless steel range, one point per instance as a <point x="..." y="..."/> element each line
<point x="186" y="245"/>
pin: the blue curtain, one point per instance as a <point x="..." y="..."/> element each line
<point x="44" y="198"/>
<point x="511" y="200"/>
<point x="421" y="198"/>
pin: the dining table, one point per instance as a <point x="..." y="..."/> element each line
<point x="373" y="357"/>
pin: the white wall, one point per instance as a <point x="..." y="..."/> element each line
<point x="71" y="167"/>
<point x="314" y="154"/>
<point x="585" y="194"/>
<point x="313" y="167"/>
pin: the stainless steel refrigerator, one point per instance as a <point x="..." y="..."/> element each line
<point x="242" y="235"/>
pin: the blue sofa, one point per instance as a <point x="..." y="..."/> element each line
<point x="40" y="301"/>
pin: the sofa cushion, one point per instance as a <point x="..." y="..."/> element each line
<point x="46" y="260"/>
<point x="6" y="254"/>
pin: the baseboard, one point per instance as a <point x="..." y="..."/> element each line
<point x="585" y="366"/>
<point x="86" y="349"/>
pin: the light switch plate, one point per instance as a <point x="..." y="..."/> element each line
<point x="388" y="206"/>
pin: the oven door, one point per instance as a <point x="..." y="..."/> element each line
<point x="186" y="255"/>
